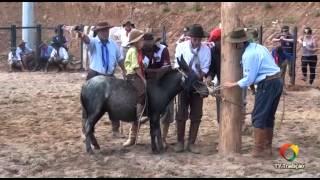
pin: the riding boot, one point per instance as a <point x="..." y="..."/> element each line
<point x="181" y="126"/>
<point x="132" y="135"/>
<point x="194" y="127"/>
<point x="269" y="135"/>
<point x="259" y="142"/>
<point x="134" y="128"/>
<point x="165" y="129"/>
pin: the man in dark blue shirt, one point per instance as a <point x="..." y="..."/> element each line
<point x="286" y="40"/>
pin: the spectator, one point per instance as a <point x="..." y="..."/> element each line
<point x="286" y="40"/>
<point x="309" y="56"/>
<point x="124" y="37"/>
<point x="184" y="36"/>
<point x="45" y="53"/>
<point x="26" y="54"/>
<point x="59" y="37"/>
<point x="59" y="56"/>
<point x="14" y="60"/>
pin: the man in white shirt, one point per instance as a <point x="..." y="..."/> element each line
<point x="198" y="56"/>
<point x="26" y="54"/>
<point x="59" y="55"/>
<point x="183" y="37"/>
<point x="124" y="37"/>
<point x="14" y="60"/>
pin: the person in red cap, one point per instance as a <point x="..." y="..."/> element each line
<point x="214" y="69"/>
<point x="215" y="35"/>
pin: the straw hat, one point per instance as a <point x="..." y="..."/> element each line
<point x="135" y="35"/>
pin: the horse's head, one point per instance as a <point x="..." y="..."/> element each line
<point x="190" y="80"/>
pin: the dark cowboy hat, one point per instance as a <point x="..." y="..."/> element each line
<point x="128" y="23"/>
<point x="186" y="29"/>
<point x="307" y="30"/>
<point x="22" y="43"/>
<point x="101" y="26"/>
<point x="55" y="42"/>
<point x="196" y="30"/>
<point x="150" y="37"/>
<point x="238" y="35"/>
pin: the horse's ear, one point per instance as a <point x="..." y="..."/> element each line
<point x="182" y="63"/>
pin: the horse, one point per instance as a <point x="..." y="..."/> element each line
<point x="118" y="98"/>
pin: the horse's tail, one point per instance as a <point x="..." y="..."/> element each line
<point x="83" y="105"/>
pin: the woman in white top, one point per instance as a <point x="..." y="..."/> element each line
<point x="309" y="56"/>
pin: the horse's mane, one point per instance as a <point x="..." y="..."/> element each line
<point x="165" y="77"/>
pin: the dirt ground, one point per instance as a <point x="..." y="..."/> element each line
<point x="40" y="136"/>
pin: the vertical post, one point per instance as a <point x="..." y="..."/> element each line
<point x="28" y="35"/>
<point x="293" y="63"/>
<point x="232" y="116"/>
<point x="164" y="37"/>
<point x="261" y="35"/>
<point x="37" y="49"/>
<point x="81" y="49"/>
<point x="13" y="37"/>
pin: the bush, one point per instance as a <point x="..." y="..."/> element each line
<point x="267" y="5"/>
<point x="197" y="7"/>
<point x="317" y="13"/>
<point x="166" y="9"/>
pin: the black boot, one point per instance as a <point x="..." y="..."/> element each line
<point x="191" y="147"/>
<point x="181" y="126"/>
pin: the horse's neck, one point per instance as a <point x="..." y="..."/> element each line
<point x="171" y="82"/>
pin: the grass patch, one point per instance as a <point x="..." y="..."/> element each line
<point x="267" y="5"/>
<point x="166" y="9"/>
<point x="197" y="8"/>
<point x="317" y="13"/>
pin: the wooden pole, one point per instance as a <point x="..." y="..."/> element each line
<point x="230" y="125"/>
<point x="293" y="61"/>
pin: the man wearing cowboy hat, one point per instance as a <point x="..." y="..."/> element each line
<point x="158" y="59"/>
<point x="184" y="36"/>
<point x="124" y="37"/>
<point x="26" y="54"/>
<point x="104" y="57"/>
<point x="14" y="60"/>
<point x="198" y="56"/>
<point x="259" y="68"/>
<point x="58" y="56"/>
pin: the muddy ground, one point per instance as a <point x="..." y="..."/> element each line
<point x="40" y="136"/>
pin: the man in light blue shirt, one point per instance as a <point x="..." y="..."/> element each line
<point x="259" y="68"/>
<point x="104" y="52"/>
<point x="104" y="57"/>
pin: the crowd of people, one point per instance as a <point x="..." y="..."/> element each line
<point x="55" y="52"/>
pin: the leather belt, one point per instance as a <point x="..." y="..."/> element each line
<point x="278" y="75"/>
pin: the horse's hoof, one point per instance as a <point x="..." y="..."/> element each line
<point x="90" y="152"/>
<point x="96" y="147"/>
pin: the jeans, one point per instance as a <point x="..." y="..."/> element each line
<point x="267" y="99"/>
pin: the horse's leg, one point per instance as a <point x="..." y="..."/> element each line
<point x="155" y="131"/>
<point x="94" y="141"/>
<point x="89" y="131"/>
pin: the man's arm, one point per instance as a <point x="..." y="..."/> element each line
<point x="84" y="37"/>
